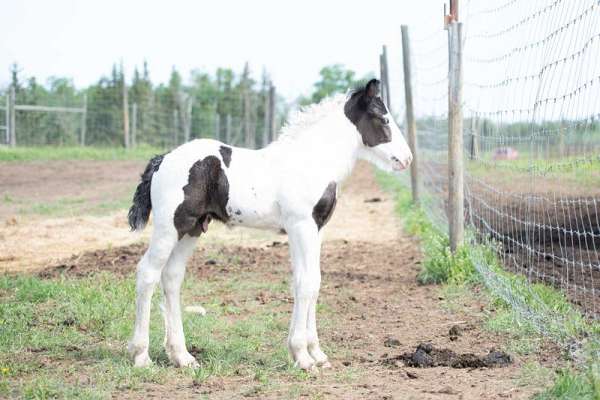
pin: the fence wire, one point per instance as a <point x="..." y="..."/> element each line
<point x="229" y="118"/>
<point x="531" y="107"/>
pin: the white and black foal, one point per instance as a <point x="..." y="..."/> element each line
<point x="291" y="184"/>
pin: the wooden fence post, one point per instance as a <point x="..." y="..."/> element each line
<point x="134" y="118"/>
<point x="12" y="117"/>
<point x="126" y="139"/>
<point x="175" y="128"/>
<point x="188" y="120"/>
<point x="217" y="126"/>
<point x="382" y="78"/>
<point x="248" y="139"/>
<point x="455" y="137"/>
<point x="267" y="118"/>
<point x="386" y="79"/>
<point x="272" y="114"/>
<point x="474" y="150"/>
<point x="83" y="120"/>
<point x="228" y="129"/>
<point x="7" y="120"/>
<point x="411" y="125"/>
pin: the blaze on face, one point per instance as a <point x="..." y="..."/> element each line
<point x="366" y="111"/>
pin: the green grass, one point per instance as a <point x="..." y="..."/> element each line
<point x="572" y="384"/>
<point x="523" y="336"/>
<point x="440" y="264"/>
<point x="66" y="338"/>
<point x="76" y="153"/>
<point x="578" y="170"/>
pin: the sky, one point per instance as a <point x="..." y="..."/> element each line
<point x="292" y="40"/>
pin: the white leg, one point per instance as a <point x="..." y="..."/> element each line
<point x="171" y="280"/>
<point x="148" y="274"/>
<point x="304" y="249"/>
<point x="312" y="337"/>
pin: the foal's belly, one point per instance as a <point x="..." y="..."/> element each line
<point x="252" y="197"/>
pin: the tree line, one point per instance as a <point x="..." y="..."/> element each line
<point x="205" y="104"/>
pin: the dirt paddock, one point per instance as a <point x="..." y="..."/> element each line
<point x="377" y="311"/>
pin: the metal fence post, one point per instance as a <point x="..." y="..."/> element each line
<point x="411" y="125"/>
<point x="455" y="137"/>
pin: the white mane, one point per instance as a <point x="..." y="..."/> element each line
<point x="308" y="116"/>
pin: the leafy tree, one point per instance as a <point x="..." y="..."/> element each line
<point x="333" y="79"/>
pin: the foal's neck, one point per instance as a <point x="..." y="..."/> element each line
<point x="328" y="149"/>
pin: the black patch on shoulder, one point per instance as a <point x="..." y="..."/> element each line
<point x="226" y="154"/>
<point x="323" y="210"/>
<point x="206" y="196"/>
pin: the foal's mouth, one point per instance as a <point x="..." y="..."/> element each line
<point x="398" y="165"/>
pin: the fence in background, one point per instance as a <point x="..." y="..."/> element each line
<point x="248" y="120"/>
<point x="522" y="130"/>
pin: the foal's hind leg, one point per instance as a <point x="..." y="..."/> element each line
<point x="171" y="280"/>
<point x="148" y="274"/>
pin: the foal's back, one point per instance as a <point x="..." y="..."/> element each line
<point x="242" y="179"/>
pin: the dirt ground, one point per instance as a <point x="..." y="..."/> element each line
<point x="369" y="282"/>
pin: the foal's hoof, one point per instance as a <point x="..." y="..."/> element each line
<point x="324" y="364"/>
<point x="307" y="364"/>
<point x="142" y="361"/>
<point x="185" y="361"/>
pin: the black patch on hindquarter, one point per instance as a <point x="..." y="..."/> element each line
<point x="226" y="154"/>
<point x="206" y="196"/>
<point x="323" y="210"/>
<point x="366" y="111"/>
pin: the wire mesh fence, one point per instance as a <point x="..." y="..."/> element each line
<point x="531" y="106"/>
<point x="103" y="116"/>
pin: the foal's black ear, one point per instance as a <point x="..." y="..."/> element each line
<point x="372" y="88"/>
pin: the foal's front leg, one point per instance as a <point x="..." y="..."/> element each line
<point x="314" y="349"/>
<point x="304" y="250"/>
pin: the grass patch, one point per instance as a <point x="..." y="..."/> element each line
<point x="574" y="384"/>
<point x="47" y="153"/>
<point x="66" y="337"/>
<point x="440" y="265"/>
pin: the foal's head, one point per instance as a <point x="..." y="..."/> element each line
<point x="382" y="140"/>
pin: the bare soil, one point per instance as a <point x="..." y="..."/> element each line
<point x="369" y="281"/>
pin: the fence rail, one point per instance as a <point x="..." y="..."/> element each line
<point x="530" y="137"/>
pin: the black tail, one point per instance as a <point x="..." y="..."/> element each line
<point x="139" y="213"/>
